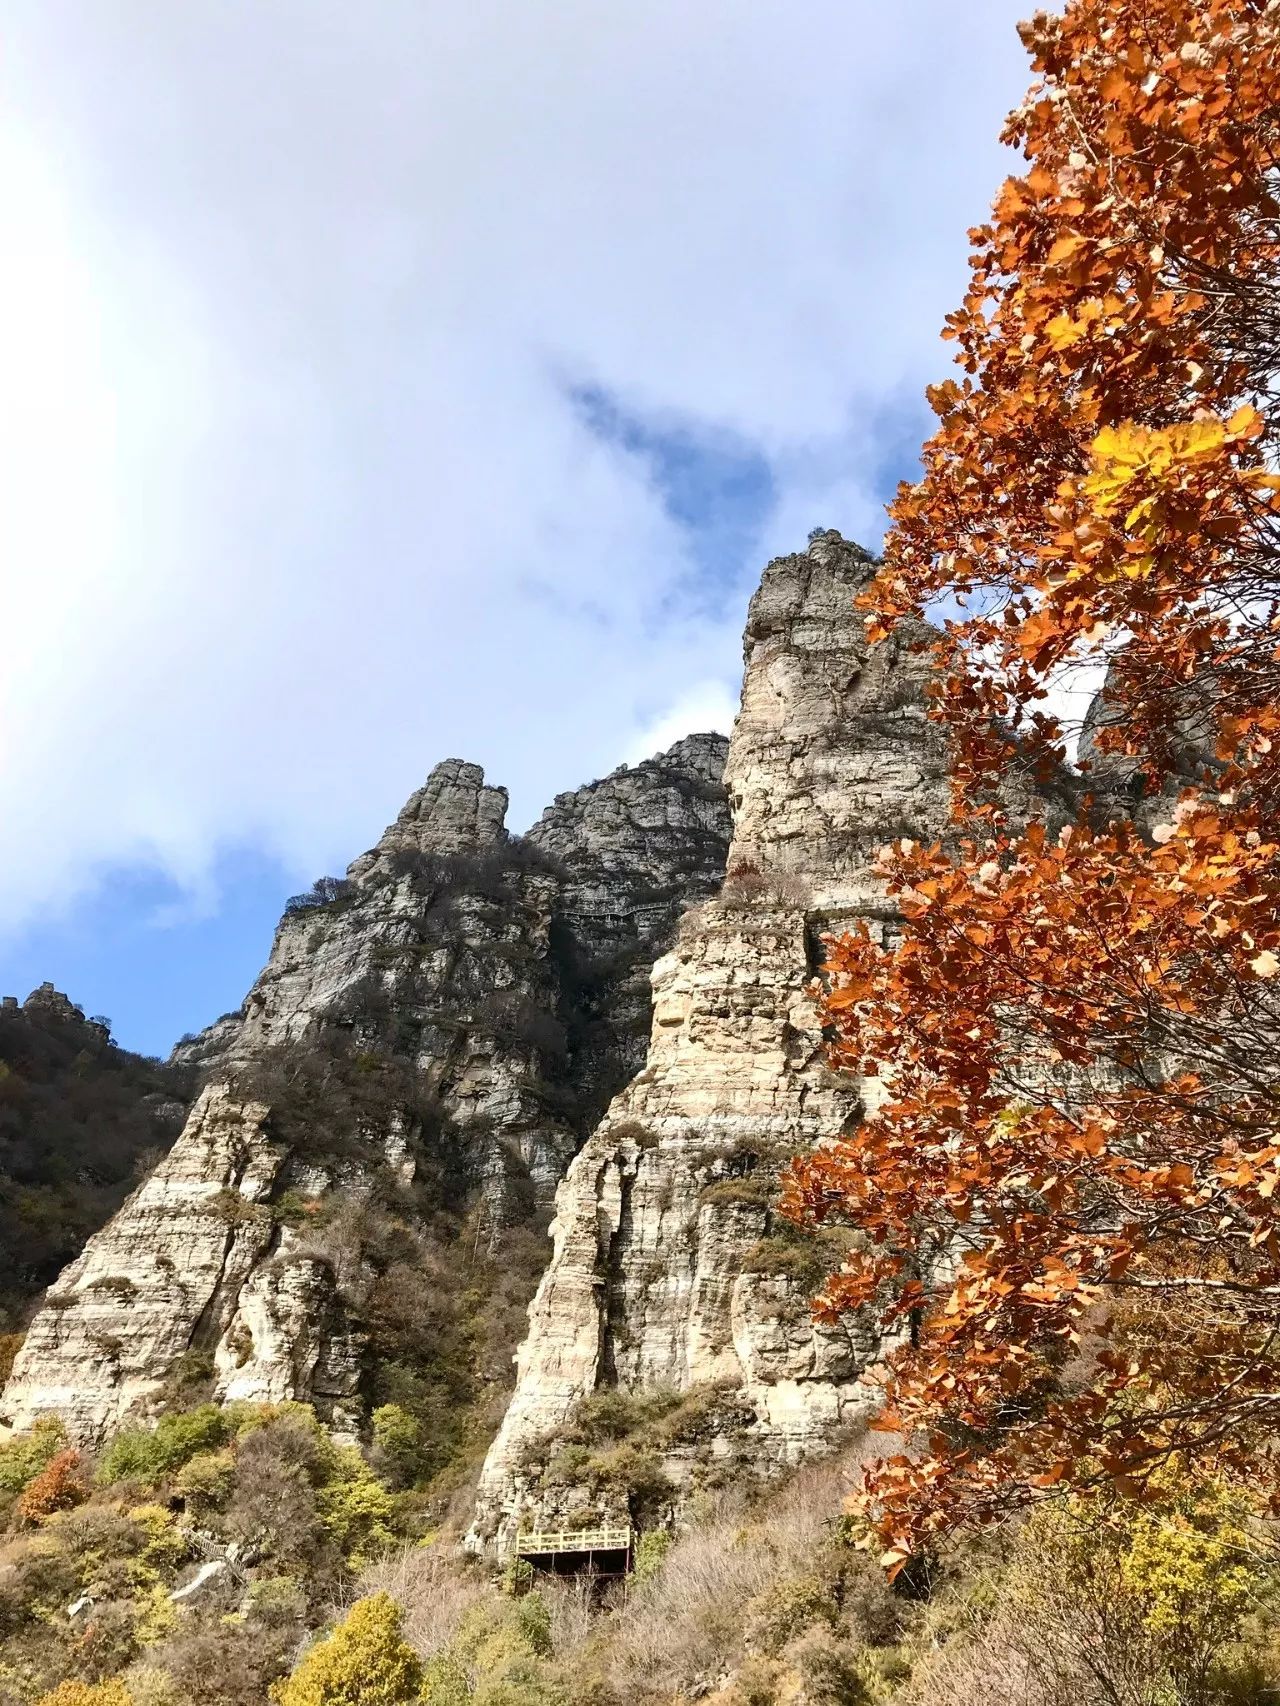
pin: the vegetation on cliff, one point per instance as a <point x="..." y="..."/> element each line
<point x="80" y="1121"/>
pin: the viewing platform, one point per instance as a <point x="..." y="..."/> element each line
<point x="567" y="1551"/>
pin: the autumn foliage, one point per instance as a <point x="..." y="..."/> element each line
<point x="1071" y="1184"/>
<point x="59" y="1486"/>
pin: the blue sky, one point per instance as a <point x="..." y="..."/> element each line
<point x="392" y="383"/>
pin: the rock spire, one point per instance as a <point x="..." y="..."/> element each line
<point x="668" y="1267"/>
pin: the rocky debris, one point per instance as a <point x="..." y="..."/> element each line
<point x="210" y="1571"/>
<point x="660" y="1272"/>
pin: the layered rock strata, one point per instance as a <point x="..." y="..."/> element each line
<point x="665" y="1269"/>
<point x="411" y="1033"/>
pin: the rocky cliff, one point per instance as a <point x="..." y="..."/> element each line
<point x="412" y="1070"/>
<point x="632" y="852"/>
<point x="669" y="1269"/>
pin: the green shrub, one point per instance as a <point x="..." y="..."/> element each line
<point x="804" y="1261"/>
<point x="354" y="1507"/>
<point x="22" y="1458"/>
<point x="569" y="1466"/>
<point x="651" y="1551"/>
<point x="739" y="1193"/>
<point x="533" y="1619"/>
<point x="445" y="1682"/>
<point x="499" y="1656"/>
<point x="632" y="1131"/>
<point x="833" y="1672"/>
<point x="188" y="1383"/>
<point x="397" y="1438"/>
<point x="150" y="1454"/>
<point x="786" y="1610"/>
<point x="234" y="1209"/>
<point x="613" y="1413"/>
<point x="634" y="1475"/>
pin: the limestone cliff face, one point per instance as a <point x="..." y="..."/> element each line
<point x="167" y="1267"/>
<point x="411" y="1040"/>
<point x="664" y="1270"/>
<point x="632" y="852"/>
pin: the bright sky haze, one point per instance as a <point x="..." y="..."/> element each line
<point x="420" y="379"/>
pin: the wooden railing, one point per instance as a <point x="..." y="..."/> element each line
<point x="544" y="1544"/>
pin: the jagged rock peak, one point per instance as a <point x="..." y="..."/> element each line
<point x="829" y="546"/>
<point x="507" y="976"/>
<point x="790" y="590"/>
<point x="667" y="1269"/>
<point x="691" y="769"/>
<point x="700" y="754"/>
<point x="455" y="811"/>
<point x="47" y="1003"/>
<point x="47" y="999"/>
<point x="695" y="749"/>
<point x="832" y="753"/>
<point x="634" y="851"/>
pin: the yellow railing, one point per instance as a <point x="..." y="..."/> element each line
<point x="573" y="1540"/>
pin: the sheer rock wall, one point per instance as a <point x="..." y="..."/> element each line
<point x="655" y="1279"/>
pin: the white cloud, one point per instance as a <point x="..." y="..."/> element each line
<point x="297" y="497"/>
<point x="709" y="707"/>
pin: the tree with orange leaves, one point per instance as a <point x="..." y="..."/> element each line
<point x="1071" y="1185"/>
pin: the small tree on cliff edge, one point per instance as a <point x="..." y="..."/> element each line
<point x="1080" y="1036"/>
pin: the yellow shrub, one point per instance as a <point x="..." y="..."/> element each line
<point x="1193" y="1568"/>
<point x="206" y="1481"/>
<point x="88" y="1694"/>
<point x="365" y="1662"/>
<point x="1161" y="1589"/>
<point x="355" y="1508"/>
<point x="150" y="1686"/>
<point x="157" y="1617"/>
<point x="164" y="1547"/>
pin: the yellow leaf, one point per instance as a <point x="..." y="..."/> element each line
<point x="1062" y="331"/>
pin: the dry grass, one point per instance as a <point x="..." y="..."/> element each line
<point x="435" y="1590"/>
<point x="987" y="1662"/>
<point x="685" y="1627"/>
